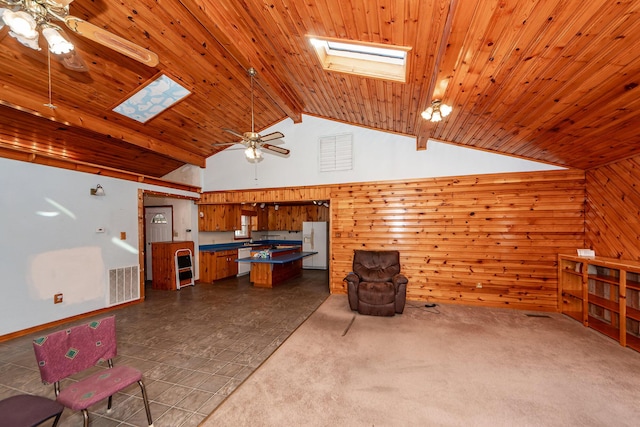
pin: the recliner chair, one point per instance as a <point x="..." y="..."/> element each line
<point x="375" y="286"/>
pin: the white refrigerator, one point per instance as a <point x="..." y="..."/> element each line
<point x="315" y="238"/>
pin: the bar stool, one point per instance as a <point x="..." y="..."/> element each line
<point x="25" y="410"/>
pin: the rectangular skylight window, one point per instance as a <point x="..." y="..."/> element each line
<point x="370" y="53"/>
<point x="152" y="99"/>
<point x="365" y="59"/>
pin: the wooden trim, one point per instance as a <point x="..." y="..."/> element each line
<point x="60" y="322"/>
<point x="141" y="242"/>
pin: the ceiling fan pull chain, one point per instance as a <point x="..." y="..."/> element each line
<point x="50" y="104"/>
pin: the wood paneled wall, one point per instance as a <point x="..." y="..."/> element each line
<point x="612" y="222"/>
<point x="503" y="231"/>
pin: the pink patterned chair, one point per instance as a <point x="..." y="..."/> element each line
<point x="65" y="353"/>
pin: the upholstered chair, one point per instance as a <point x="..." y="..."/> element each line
<point x="68" y="352"/>
<point x="376" y="286"/>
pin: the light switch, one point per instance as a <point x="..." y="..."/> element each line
<point x="123" y="235"/>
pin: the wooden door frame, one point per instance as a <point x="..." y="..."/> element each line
<point x="141" y="230"/>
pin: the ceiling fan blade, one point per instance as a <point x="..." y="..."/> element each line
<point x="275" y="149"/>
<point x="272" y="136"/>
<point x="110" y="40"/>
<point x="233" y="132"/>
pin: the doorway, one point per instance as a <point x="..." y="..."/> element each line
<point x="158" y="222"/>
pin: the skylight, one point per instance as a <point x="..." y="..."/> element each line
<point x="365" y="59"/>
<point x="152" y="99"/>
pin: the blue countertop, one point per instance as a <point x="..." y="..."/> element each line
<point x="230" y="246"/>
<point x="278" y="260"/>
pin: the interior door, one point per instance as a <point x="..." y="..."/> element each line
<point x="158" y="228"/>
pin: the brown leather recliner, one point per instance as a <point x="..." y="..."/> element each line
<point x="375" y="286"/>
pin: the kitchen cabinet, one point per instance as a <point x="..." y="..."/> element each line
<point x="207" y="266"/>
<point x="219" y="217"/>
<point x="226" y="264"/>
<point x="263" y="219"/>
<point x="290" y="217"/>
<point x="218" y="265"/>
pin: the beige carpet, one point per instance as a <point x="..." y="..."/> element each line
<point x="463" y="366"/>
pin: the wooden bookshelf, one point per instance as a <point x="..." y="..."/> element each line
<point x="603" y="294"/>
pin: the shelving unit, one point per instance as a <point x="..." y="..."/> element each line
<point x="603" y="294"/>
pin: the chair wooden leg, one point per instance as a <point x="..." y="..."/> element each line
<point x="85" y="414"/>
<point x="146" y="403"/>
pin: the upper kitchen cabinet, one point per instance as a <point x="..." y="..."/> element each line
<point x="219" y="217"/>
<point x="290" y="217"/>
<point x="263" y="219"/>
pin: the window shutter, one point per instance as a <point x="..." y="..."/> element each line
<point x="336" y="152"/>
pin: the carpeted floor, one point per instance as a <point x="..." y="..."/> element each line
<point x="448" y="366"/>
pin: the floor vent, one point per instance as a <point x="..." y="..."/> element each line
<point x="124" y="285"/>
<point x="537" y="315"/>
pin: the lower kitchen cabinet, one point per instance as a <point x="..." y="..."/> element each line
<point x="218" y="265"/>
<point x="226" y="264"/>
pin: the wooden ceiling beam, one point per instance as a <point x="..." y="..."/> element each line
<point x="443" y="72"/>
<point x="24" y="101"/>
<point x="41" y="159"/>
<point x="216" y="21"/>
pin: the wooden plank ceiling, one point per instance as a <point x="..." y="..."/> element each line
<point x="553" y="81"/>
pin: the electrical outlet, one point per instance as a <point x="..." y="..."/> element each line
<point x="478" y="285"/>
<point x="123" y="235"/>
<point x="57" y="298"/>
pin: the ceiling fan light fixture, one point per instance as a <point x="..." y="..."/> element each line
<point x="253" y="154"/>
<point x="58" y="44"/>
<point x="21" y="23"/>
<point x="436" y="111"/>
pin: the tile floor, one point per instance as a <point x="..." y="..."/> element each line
<point x="194" y="346"/>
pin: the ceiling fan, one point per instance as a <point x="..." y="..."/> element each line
<point x="25" y="17"/>
<point x="254" y="142"/>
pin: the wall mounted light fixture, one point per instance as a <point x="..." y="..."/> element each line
<point x="98" y="191"/>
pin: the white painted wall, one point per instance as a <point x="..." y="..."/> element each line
<point x="49" y="244"/>
<point x="378" y="156"/>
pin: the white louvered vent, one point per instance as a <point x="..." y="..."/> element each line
<point x="336" y="152"/>
<point x="124" y="285"/>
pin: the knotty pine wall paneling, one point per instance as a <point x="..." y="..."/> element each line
<point x="612" y="213"/>
<point x="501" y="231"/>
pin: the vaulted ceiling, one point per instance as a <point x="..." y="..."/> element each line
<point x="553" y="81"/>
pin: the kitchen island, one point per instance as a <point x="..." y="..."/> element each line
<point x="274" y="266"/>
